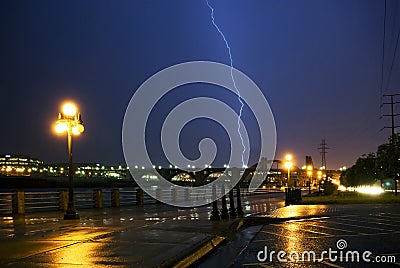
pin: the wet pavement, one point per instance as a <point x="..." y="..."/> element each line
<point x="164" y="236"/>
<point x="136" y="236"/>
<point x="373" y="230"/>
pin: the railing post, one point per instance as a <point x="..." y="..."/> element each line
<point x="63" y="200"/>
<point x="98" y="198"/>
<point x="139" y="197"/>
<point x="158" y="196"/>
<point x="173" y="194"/>
<point x="236" y="176"/>
<point x="239" y="207"/>
<point x="298" y="194"/>
<point x="224" y="211"/>
<point x="115" y="198"/>
<point x="215" y="212"/>
<point x="187" y="194"/>
<point x="18" y="202"/>
<point x="232" y="209"/>
<point x="286" y="196"/>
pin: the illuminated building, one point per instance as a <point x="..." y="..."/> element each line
<point x="87" y="170"/>
<point x="19" y="165"/>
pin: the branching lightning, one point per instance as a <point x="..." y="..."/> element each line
<point x="233" y="80"/>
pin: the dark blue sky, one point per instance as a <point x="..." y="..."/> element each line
<point x="317" y="62"/>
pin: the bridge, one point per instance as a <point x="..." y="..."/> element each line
<point x="201" y="177"/>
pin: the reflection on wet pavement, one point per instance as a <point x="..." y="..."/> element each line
<point x="146" y="235"/>
<point x="363" y="227"/>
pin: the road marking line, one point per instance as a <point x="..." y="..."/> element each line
<point x="379" y="223"/>
<point x="337" y="229"/>
<point x="359" y="226"/>
<point x="259" y="264"/>
<point x="320" y="233"/>
<point x="392" y="216"/>
<point x="380" y="219"/>
<point x="331" y="264"/>
<point x="374" y="234"/>
<point x="271" y="233"/>
<point x="288" y="236"/>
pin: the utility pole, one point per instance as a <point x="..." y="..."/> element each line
<point x="323" y="151"/>
<point x="392" y="114"/>
<point x="392" y="127"/>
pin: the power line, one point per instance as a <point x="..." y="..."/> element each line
<point x="383" y="53"/>
<point x="393" y="59"/>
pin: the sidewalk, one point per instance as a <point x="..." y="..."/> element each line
<point x="147" y="236"/>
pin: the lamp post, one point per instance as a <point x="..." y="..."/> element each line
<point x="309" y="173"/>
<point x="288" y="165"/>
<point x="69" y="121"/>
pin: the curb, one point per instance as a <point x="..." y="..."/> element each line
<point x="200" y="252"/>
<point x="203" y="249"/>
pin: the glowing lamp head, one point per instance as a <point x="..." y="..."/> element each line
<point x="288" y="165"/>
<point x="78" y="129"/>
<point x="69" y="109"/>
<point x="60" y="127"/>
<point x="288" y="157"/>
<point x="309" y="167"/>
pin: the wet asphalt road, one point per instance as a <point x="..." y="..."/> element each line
<point x="362" y="228"/>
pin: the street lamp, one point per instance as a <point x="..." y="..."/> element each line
<point x="69" y="121"/>
<point x="288" y="165"/>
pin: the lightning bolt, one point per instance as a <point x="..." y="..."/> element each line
<point x="233" y="80"/>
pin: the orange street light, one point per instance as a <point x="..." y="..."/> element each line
<point x="288" y="164"/>
<point x="69" y="121"/>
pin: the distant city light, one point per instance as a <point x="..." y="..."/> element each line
<point x="374" y="190"/>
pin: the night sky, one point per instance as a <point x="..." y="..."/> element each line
<point x="317" y="62"/>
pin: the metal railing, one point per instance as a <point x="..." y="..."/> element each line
<point x="19" y="202"/>
<point x="41" y="201"/>
<point x="6" y="203"/>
